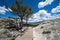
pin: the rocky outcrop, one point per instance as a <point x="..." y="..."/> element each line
<point x="47" y="30"/>
<point x="6" y="34"/>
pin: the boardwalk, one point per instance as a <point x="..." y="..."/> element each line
<point x="27" y="36"/>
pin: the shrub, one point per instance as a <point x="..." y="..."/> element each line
<point x="46" y="32"/>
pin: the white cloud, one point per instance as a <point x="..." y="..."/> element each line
<point x="39" y="16"/>
<point x="45" y="3"/>
<point x="41" y="13"/>
<point x="56" y="16"/>
<point x="3" y="10"/>
<point x="9" y="9"/>
<point x="56" y="9"/>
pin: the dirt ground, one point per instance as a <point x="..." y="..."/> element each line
<point x="27" y="36"/>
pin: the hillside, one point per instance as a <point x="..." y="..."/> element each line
<point x="47" y="30"/>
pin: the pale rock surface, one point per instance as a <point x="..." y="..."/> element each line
<point x="50" y="25"/>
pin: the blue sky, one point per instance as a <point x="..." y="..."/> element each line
<point x="42" y="9"/>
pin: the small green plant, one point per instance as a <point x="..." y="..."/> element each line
<point x="42" y="27"/>
<point x="13" y="38"/>
<point x="46" y="32"/>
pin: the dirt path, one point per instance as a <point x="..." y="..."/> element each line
<point x="27" y="36"/>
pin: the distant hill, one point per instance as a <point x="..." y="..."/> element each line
<point x="44" y="21"/>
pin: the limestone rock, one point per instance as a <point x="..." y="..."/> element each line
<point x="47" y="30"/>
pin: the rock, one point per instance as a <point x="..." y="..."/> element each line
<point x="15" y="33"/>
<point x="4" y="34"/>
<point x="48" y="30"/>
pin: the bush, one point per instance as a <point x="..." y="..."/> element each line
<point x="13" y="38"/>
<point x="42" y="27"/>
<point x="46" y="32"/>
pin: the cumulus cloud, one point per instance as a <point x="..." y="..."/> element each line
<point x="39" y="16"/>
<point x="41" y="13"/>
<point x="3" y="10"/>
<point x="45" y="3"/>
<point x="56" y="9"/>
